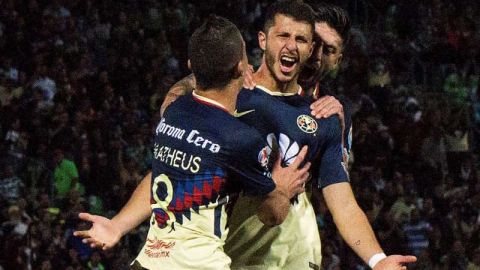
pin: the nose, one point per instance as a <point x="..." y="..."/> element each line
<point x="291" y="44"/>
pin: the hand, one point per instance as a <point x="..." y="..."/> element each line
<point x="327" y="106"/>
<point x="248" y="82"/>
<point x="291" y="180"/>
<point x="395" y="262"/>
<point x="103" y="234"/>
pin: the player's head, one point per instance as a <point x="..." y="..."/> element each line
<point x="217" y="53"/>
<point x="287" y="38"/>
<point x="332" y="28"/>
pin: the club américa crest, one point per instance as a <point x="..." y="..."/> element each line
<point x="307" y="124"/>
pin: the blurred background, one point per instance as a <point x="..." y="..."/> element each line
<point x="81" y="82"/>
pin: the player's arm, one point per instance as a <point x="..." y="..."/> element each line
<point x="182" y="87"/>
<point x="349" y="218"/>
<point x="289" y="182"/>
<point x="355" y="229"/>
<point x="187" y="84"/>
<point x="106" y="233"/>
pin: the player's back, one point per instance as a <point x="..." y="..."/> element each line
<point x="198" y="146"/>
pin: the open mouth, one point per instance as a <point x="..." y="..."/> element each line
<point x="287" y="63"/>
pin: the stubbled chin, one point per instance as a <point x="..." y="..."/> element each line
<point x="285" y="77"/>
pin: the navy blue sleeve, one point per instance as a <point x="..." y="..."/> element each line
<point x="250" y="163"/>
<point x="332" y="169"/>
<point x="347" y="111"/>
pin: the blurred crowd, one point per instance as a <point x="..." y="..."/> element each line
<point x="81" y="83"/>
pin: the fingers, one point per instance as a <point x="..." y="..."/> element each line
<point x="297" y="190"/>
<point x="330" y="110"/>
<point x="300" y="157"/>
<point x="278" y="162"/>
<point x="82" y="234"/>
<point x="325" y="107"/>
<point x="305" y="169"/>
<point x="407" y="259"/>
<point x="248" y="82"/>
<point x="96" y="244"/>
<point x="321" y="102"/>
<point x="86" y="217"/>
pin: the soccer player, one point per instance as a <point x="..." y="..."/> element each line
<point x="287" y="43"/>
<point x="203" y="156"/>
<point x="287" y="49"/>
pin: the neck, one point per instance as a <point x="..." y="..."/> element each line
<point x="264" y="77"/>
<point x="226" y="97"/>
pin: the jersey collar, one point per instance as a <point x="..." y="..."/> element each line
<point x="272" y="93"/>
<point x="208" y="101"/>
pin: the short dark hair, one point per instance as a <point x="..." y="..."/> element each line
<point x="334" y="16"/>
<point x="214" y="50"/>
<point x="294" y="9"/>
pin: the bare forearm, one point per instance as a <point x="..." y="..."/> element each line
<point x="274" y="209"/>
<point x="182" y="87"/>
<point x="137" y="208"/>
<point x="358" y="233"/>
<point x="351" y="221"/>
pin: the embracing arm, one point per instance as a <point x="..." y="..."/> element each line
<point x="106" y="233"/>
<point x="137" y="208"/>
<point x="355" y="229"/>
<point x="289" y="182"/>
<point x="182" y="87"/>
<point x="187" y="85"/>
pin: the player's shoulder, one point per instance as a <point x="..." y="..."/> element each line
<point x="330" y="126"/>
<point x="241" y="135"/>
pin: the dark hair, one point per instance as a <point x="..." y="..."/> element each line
<point x="294" y="9"/>
<point x="214" y="50"/>
<point x="334" y="16"/>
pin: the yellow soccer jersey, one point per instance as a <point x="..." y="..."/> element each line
<point x="198" y="166"/>
<point x="186" y="247"/>
<point x="294" y="244"/>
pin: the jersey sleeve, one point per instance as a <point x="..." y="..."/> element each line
<point x="250" y="164"/>
<point x="347" y="109"/>
<point x="332" y="168"/>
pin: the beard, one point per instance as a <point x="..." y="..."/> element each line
<point x="310" y="75"/>
<point x="270" y="60"/>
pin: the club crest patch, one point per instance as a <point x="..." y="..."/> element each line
<point x="307" y="124"/>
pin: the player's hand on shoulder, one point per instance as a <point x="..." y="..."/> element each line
<point x="291" y="179"/>
<point x="327" y="106"/>
<point x="395" y="262"/>
<point x="103" y="234"/>
<point x="248" y="81"/>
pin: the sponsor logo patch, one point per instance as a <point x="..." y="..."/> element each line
<point x="263" y="156"/>
<point x="156" y="248"/>
<point x="307" y="124"/>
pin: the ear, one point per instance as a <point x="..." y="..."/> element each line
<point x="262" y="40"/>
<point x="239" y="70"/>
<point x="339" y="60"/>
<point x="312" y="46"/>
<point x="189" y="65"/>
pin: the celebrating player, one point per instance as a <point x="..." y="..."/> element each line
<point x="276" y="110"/>
<point x="295" y="243"/>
